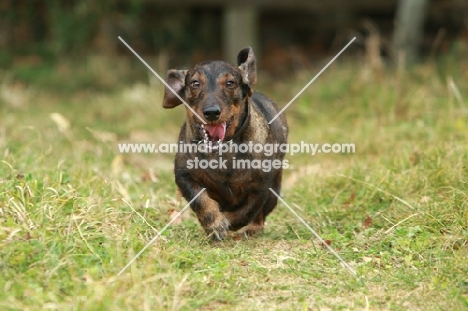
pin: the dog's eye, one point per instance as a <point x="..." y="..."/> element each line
<point x="195" y="84"/>
<point x="230" y="84"/>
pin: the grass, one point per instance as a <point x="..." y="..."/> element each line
<point x="73" y="211"/>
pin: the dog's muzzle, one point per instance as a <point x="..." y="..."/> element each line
<point x="214" y="134"/>
<point x="212" y="113"/>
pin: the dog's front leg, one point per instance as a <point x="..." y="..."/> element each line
<point x="216" y="225"/>
<point x="250" y="216"/>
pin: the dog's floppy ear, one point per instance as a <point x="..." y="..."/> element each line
<point x="248" y="66"/>
<point x="176" y="80"/>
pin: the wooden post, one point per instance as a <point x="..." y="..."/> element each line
<point x="239" y="30"/>
<point x="409" y="30"/>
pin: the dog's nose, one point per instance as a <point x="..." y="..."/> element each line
<point x="212" y="113"/>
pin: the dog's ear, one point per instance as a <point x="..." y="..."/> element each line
<point x="176" y="80"/>
<point x="248" y="66"/>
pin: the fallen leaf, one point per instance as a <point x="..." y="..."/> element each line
<point x="414" y="158"/>
<point x="367" y="222"/>
<point x="366" y="259"/>
<point x="322" y="243"/>
<point x="177" y="221"/>
<point x="62" y="123"/>
<point x="425" y="199"/>
<point x="243" y="263"/>
<point x="350" y="199"/>
<point x="149" y="176"/>
<point x="102" y="135"/>
<point x="117" y="165"/>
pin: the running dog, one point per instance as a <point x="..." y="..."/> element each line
<point x="222" y="95"/>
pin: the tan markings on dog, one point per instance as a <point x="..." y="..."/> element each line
<point x="210" y="217"/>
<point x="235" y="111"/>
<point x="259" y="126"/>
<point x="209" y="204"/>
<point x="225" y="78"/>
<point x="196" y="92"/>
<point x="201" y="78"/>
<point x="255" y="226"/>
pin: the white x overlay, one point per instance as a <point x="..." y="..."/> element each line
<point x="162" y="80"/>
<point x="160" y="232"/>
<point x="311" y="81"/>
<point x="273" y="119"/>
<point x="324" y="243"/>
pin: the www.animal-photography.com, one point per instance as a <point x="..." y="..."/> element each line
<point x="212" y="155"/>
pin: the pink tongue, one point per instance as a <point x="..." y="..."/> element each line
<point x="216" y="131"/>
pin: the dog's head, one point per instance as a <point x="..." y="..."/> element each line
<point x="217" y="92"/>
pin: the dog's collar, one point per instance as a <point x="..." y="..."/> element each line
<point x="239" y="132"/>
<point x="243" y="126"/>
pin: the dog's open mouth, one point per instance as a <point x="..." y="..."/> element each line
<point x="214" y="134"/>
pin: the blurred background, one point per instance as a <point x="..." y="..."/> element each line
<point x="40" y="37"/>
<point x="74" y="208"/>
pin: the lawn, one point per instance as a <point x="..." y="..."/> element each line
<point x="74" y="211"/>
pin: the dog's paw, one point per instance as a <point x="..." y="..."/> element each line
<point x="252" y="229"/>
<point x="218" y="230"/>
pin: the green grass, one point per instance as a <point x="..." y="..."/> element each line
<point x="73" y="211"/>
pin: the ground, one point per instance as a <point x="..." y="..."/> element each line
<point x="74" y="211"/>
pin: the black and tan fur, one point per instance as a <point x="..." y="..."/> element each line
<point x="234" y="199"/>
